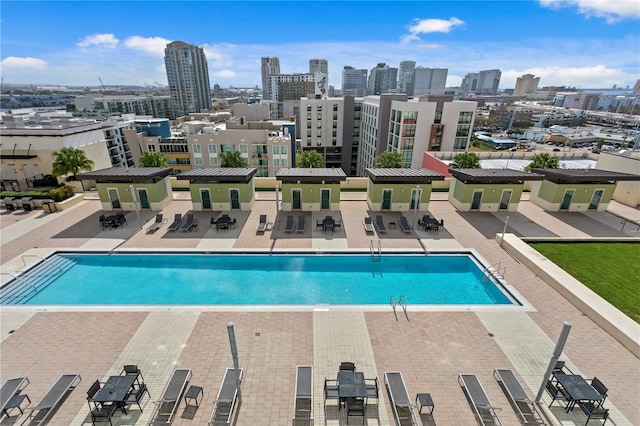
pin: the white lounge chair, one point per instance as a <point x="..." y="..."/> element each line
<point x="303" y="399"/>
<point x="226" y="400"/>
<point x="168" y="403"/>
<point x="402" y="407"/>
<point x="485" y="412"/>
<point x="524" y="406"/>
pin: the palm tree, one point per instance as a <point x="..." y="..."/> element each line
<point x="542" y="161"/>
<point x="389" y="160"/>
<point x="309" y="159"/>
<point x="70" y="161"/>
<point x="153" y="159"/>
<point x="465" y="160"/>
<point x="233" y="159"/>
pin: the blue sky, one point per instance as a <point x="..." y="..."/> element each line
<point x="581" y="43"/>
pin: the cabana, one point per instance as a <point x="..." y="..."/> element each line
<point x="399" y="190"/>
<point x="150" y="185"/>
<point x="310" y="189"/>
<point x="488" y="190"/>
<point x="221" y="189"/>
<point x="576" y="190"/>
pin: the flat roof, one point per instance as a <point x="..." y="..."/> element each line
<point x="493" y="175"/>
<point x="585" y="175"/>
<point x="131" y="174"/>
<point x="401" y="175"/>
<point x="219" y="174"/>
<point x="311" y="175"/>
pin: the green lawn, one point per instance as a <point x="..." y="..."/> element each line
<point x="610" y="269"/>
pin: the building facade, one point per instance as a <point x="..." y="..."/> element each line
<point x="427" y="81"/>
<point x="270" y="66"/>
<point x="404" y="75"/>
<point x="318" y="65"/>
<point x="354" y="81"/>
<point x="154" y="106"/>
<point x="527" y="84"/>
<point x="188" y="77"/>
<point x="489" y="81"/>
<point x="292" y="87"/>
<point x="382" y="79"/>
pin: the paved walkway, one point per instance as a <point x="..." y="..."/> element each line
<point x="430" y="346"/>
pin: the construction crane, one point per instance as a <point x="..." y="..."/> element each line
<point x="101" y="83"/>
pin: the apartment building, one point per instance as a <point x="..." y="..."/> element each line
<point x="288" y="87"/>
<point x="354" y="81"/>
<point x="188" y="77"/>
<point x="154" y="106"/>
<point x="404" y="75"/>
<point x="270" y="65"/>
<point x="29" y="141"/>
<point x="427" y="81"/>
<point x="526" y="84"/>
<point x="267" y="146"/>
<point x="382" y="79"/>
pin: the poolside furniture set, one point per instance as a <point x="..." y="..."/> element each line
<point x="430" y="223"/>
<point x="12" y="204"/>
<point x="189" y="224"/>
<point x="156" y="224"/>
<point x="224" y="221"/>
<point x="112" y="221"/>
<point x="328" y="223"/>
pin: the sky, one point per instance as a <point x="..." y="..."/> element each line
<point x="578" y="43"/>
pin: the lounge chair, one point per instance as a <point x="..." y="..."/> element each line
<point x="189" y="224"/>
<point x="301" y="224"/>
<point x="10" y="394"/>
<point x="168" y="403"/>
<point x="525" y="408"/>
<point x="176" y="223"/>
<point x="156" y="225"/>
<point x="594" y="411"/>
<point x="368" y="226"/>
<point x="303" y="399"/>
<point x="49" y="403"/>
<point x="479" y="400"/>
<point x="289" y="225"/>
<point x="380" y="224"/>
<point x="262" y="224"/>
<point x="226" y="400"/>
<point x="402" y="407"/>
<point x="404" y="225"/>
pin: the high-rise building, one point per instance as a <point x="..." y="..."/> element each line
<point x="270" y="66"/>
<point x="318" y="65"/>
<point x="382" y="79"/>
<point x="292" y="87"/>
<point x="404" y="75"/>
<point x="526" y="85"/>
<point x="469" y="83"/>
<point x="427" y="81"/>
<point x="188" y="77"/>
<point x="354" y="82"/>
<point x="489" y="81"/>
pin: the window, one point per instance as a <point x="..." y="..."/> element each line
<point x="465" y="117"/>
<point x="213" y="161"/>
<point x="309" y="142"/>
<point x="283" y="149"/>
<point x="212" y="148"/>
<point x="276" y="162"/>
<point x="319" y="107"/>
<point x="438" y="117"/>
<point x="335" y="134"/>
<point x="334" y="142"/>
<point x="151" y="147"/>
<point x="198" y="161"/>
<point x="228" y="148"/>
<point x="243" y="148"/>
<point x="308" y="124"/>
<point x="319" y="116"/>
<point x="276" y="149"/>
<point x="335" y="107"/>
<point x="197" y="148"/>
<point x="319" y="133"/>
<point x="460" y="143"/>
<point x="309" y="133"/>
<point x="463" y="130"/>
<point x="308" y="116"/>
<point x="318" y="142"/>
<point x="308" y="107"/>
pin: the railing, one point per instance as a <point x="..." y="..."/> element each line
<point x="403" y="301"/>
<point x="27" y="286"/>
<point x="43" y="259"/>
<point x="376" y="253"/>
<point x="495" y="271"/>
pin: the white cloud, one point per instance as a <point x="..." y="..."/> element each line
<point x="224" y="74"/>
<point x="13" y="63"/>
<point x="100" y="40"/>
<point x="611" y="10"/>
<point x="596" y="76"/>
<point x="426" y="26"/>
<point x="152" y="45"/>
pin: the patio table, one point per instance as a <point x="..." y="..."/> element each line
<point x="116" y="389"/>
<point x="577" y="388"/>
<point x="351" y="384"/>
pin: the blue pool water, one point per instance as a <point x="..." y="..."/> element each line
<point x="206" y="279"/>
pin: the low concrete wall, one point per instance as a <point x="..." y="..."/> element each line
<point x="608" y="317"/>
<point x="69" y="202"/>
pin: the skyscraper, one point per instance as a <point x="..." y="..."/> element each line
<point x="318" y="65"/>
<point x="188" y="77"/>
<point x="270" y="66"/>
<point x="427" y="81"/>
<point x="354" y="81"/>
<point x="526" y="85"/>
<point x="382" y="79"/>
<point x="488" y="81"/>
<point x="404" y="75"/>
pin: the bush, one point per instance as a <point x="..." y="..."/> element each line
<point x="38" y="195"/>
<point x="61" y="193"/>
<point x="47" y="180"/>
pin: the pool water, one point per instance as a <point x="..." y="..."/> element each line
<point x="211" y="279"/>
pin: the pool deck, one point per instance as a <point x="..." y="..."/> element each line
<point x="429" y="346"/>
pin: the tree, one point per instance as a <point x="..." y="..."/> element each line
<point x="389" y="160"/>
<point x="543" y="160"/>
<point x="233" y="159"/>
<point x="309" y="159"/>
<point x="153" y="159"/>
<point x="70" y="161"/>
<point x="465" y="160"/>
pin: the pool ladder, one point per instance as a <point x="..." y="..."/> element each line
<point x="403" y="301"/>
<point x="376" y="252"/>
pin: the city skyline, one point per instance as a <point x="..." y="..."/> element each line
<point x="580" y="43"/>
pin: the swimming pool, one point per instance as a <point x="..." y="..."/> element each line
<point x="253" y="279"/>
